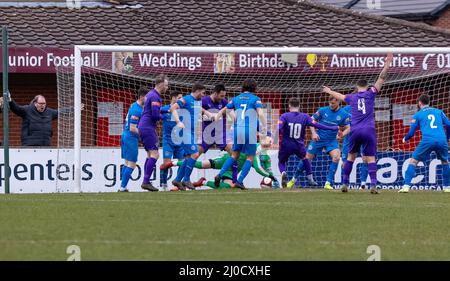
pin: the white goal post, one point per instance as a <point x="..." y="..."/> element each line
<point x="402" y="74"/>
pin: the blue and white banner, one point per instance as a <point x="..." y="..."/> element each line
<point x="52" y="170"/>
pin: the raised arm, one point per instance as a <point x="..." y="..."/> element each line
<point x="19" y="110"/>
<point x="383" y="75"/>
<point x="336" y="95"/>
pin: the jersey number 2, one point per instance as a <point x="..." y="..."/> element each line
<point x="433" y="119"/>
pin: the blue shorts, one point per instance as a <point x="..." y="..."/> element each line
<point x="247" y="149"/>
<point x="129" y="146"/>
<point x="171" y="150"/>
<point x="189" y="149"/>
<point x="315" y="147"/>
<point x="424" y="149"/>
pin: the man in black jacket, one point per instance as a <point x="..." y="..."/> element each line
<point x="36" y="121"/>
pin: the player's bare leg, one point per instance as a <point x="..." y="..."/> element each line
<point x="335" y="157"/>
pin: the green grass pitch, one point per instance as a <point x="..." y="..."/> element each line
<point x="226" y="225"/>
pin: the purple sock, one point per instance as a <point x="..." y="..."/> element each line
<point x="373" y="173"/>
<point x="307" y="166"/>
<point x="282" y="167"/>
<point x="234" y="170"/>
<point x="148" y="169"/>
<point x="146" y="178"/>
<point x="347" y="170"/>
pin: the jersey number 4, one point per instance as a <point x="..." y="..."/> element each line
<point x="362" y="105"/>
<point x="295" y="130"/>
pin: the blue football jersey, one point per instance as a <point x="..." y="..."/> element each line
<point x="192" y="109"/>
<point x="326" y="116"/>
<point x="245" y="106"/>
<point x="133" y="116"/>
<point x="431" y="123"/>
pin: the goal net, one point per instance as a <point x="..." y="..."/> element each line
<point x="109" y="77"/>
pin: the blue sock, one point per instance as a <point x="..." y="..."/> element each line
<point x="163" y="176"/>
<point x="181" y="171"/>
<point x="226" y="166"/>
<point x="331" y="172"/>
<point x="299" y="169"/>
<point x="446" y="174"/>
<point x="245" y="170"/>
<point x="190" y="163"/>
<point x="126" y="175"/>
<point x="409" y="174"/>
<point x="363" y="172"/>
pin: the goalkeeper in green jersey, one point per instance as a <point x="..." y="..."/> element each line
<point x="262" y="165"/>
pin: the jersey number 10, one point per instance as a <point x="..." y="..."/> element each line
<point x="295" y="130"/>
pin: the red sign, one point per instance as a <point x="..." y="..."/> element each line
<point x="46" y="60"/>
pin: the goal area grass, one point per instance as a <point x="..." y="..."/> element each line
<point x="215" y="225"/>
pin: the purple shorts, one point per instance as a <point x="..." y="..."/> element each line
<point x="365" y="140"/>
<point x="206" y="146"/>
<point x="149" y="138"/>
<point x="286" y="151"/>
<point x="208" y="141"/>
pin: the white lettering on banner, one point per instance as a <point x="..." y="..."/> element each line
<point x="263" y="61"/>
<point x="25" y="61"/>
<point x="90" y="60"/>
<point x="433" y="168"/>
<point x="416" y="179"/>
<point x="173" y="61"/>
<point x="47" y="171"/>
<point x="357" y="61"/>
<point x="391" y="169"/>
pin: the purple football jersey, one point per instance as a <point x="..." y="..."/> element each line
<point x="363" y="109"/>
<point x="152" y="111"/>
<point x="293" y="126"/>
<point x="209" y="105"/>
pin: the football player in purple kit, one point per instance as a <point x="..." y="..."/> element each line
<point x="147" y="128"/>
<point x="214" y="132"/>
<point x="292" y="125"/>
<point x="362" y="128"/>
